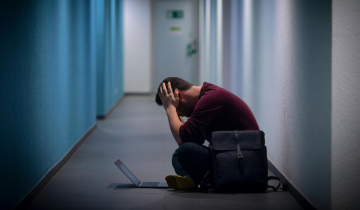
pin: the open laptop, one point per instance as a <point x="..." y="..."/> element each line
<point x="136" y="181"/>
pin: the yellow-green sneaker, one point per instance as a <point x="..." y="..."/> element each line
<point x="179" y="182"/>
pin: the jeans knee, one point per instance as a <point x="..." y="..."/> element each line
<point x="175" y="158"/>
<point x="177" y="166"/>
<point x="184" y="149"/>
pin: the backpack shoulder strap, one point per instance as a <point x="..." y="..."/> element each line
<point x="274" y="178"/>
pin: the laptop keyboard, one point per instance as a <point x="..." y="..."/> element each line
<point x="149" y="184"/>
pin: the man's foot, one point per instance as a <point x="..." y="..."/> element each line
<point x="179" y="182"/>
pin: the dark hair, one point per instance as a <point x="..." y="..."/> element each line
<point x="176" y="83"/>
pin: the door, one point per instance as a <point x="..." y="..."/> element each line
<point x="176" y="40"/>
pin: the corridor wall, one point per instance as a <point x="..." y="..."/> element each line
<point x="211" y="41"/>
<point x="109" y="54"/>
<point x="345" y="122"/>
<point x="50" y="60"/>
<point x="281" y="67"/>
<point x="137" y="46"/>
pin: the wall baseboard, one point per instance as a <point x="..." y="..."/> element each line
<point x="103" y="117"/>
<point x="299" y="197"/>
<point x="26" y="201"/>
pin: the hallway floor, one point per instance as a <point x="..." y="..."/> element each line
<point x="137" y="133"/>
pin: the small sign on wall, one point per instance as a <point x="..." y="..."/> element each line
<point x="175" y="30"/>
<point x="174" y="14"/>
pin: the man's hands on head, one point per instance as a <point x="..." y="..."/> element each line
<point x="170" y="102"/>
<point x="168" y="97"/>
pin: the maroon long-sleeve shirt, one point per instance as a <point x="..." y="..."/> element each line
<point x="216" y="110"/>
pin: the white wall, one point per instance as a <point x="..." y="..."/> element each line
<point x="285" y="77"/>
<point x="211" y="41"/>
<point x="345" y="159"/>
<point x="297" y="65"/>
<point x="137" y="46"/>
<point x="226" y="42"/>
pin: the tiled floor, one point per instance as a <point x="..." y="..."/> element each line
<point x="137" y="132"/>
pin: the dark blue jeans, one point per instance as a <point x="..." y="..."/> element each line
<point x="193" y="160"/>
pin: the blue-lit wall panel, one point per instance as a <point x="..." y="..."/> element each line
<point x="50" y="65"/>
<point x="109" y="44"/>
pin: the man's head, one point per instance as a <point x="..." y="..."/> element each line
<point x="183" y="109"/>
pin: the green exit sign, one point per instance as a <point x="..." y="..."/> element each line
<point x="174" y="14"/>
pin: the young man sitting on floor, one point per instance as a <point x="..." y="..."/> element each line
<point x="209" y="108"/>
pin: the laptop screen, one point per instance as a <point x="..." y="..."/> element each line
<point x="127" y="172"/>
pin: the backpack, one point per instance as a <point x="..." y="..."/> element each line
<point x="239" y="163"/>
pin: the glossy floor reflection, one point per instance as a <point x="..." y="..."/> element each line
<point x="137" y="132"/>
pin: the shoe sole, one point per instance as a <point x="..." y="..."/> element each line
<point x="171" y="181"/>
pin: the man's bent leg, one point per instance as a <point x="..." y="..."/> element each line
<point x="177" y="167"/>
<point x="195" y="160"/>
<point x="182" y="180"/>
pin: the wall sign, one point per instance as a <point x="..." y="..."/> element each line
<point x="174" y="14"/>
<point x="175" y="30"/>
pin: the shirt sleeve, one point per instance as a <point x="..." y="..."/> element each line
<point x="194" y="129"/>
